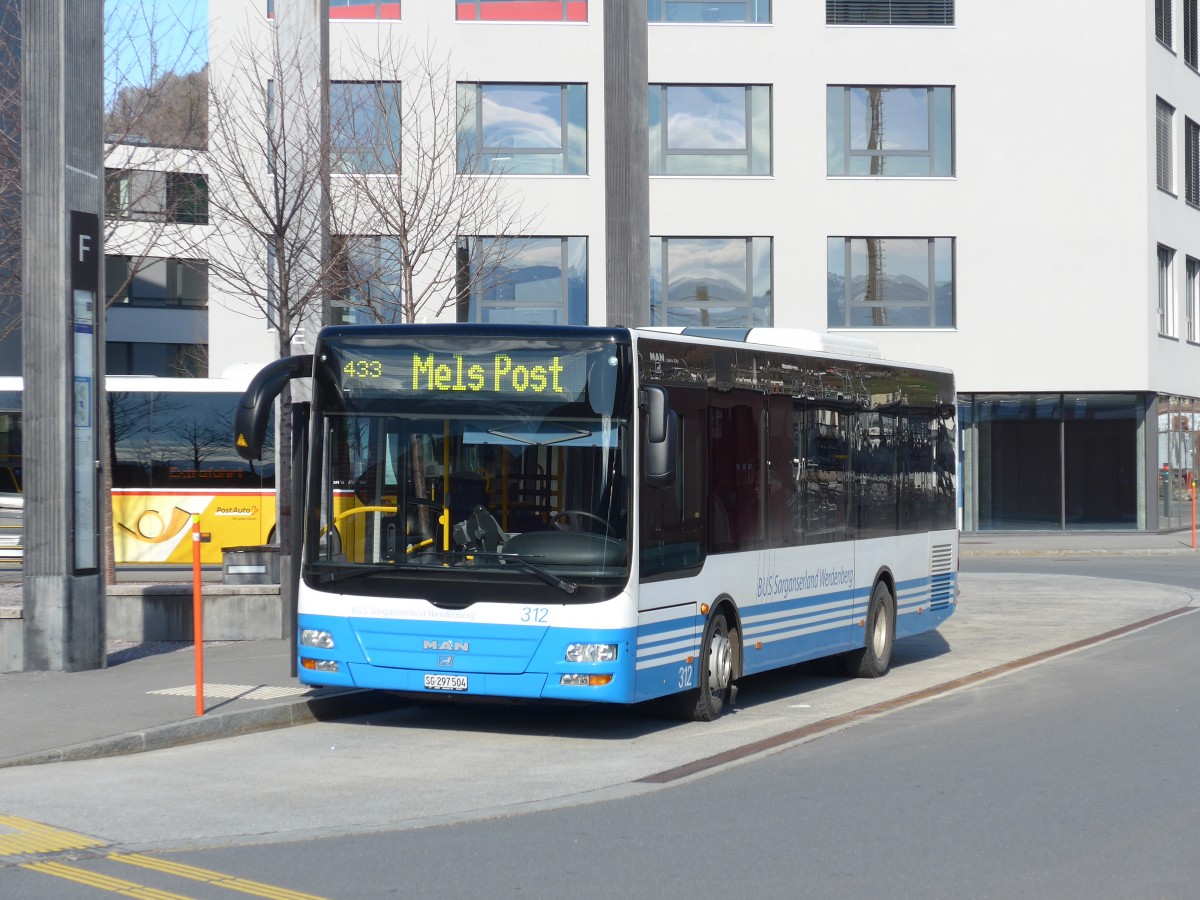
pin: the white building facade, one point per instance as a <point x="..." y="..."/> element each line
<point x="1008" y="190"/>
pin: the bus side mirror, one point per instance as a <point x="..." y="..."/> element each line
<point x="250" y="417"/>
<point x="660" y="441"/>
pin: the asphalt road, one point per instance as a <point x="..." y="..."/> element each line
<point x="1073" y="777"/>
<point x="1076" y="778"/>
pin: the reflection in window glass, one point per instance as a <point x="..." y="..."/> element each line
<point x="369" y="280"/>
<point x="156" y="281"/>
<point x="522" y="10"/>
<point x="523" y="129"/>
<point x="364" y="126"/>
<point x="710" y="129"/>
<point x="530" y="281"/>
<point x="710" y="281"/>
<point x="890" y="131"/>
<point x="891" y="282"/>
<point x="1166" y="291"/>
<point x="709" y="11"/>
<point x="357" y="9"/>
<point x="160" y="360"/>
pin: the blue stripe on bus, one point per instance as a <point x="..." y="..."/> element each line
<point x="654" y="659"/>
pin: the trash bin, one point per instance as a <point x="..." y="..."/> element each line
<point x="250" y="565"/>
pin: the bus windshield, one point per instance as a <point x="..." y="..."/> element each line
<point x="499" y="464"/>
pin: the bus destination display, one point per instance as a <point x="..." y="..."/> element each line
<point x="551" y="374"/>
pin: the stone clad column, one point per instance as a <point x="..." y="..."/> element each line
<point x="62" y="102"/>
<point x="626" y="161"/>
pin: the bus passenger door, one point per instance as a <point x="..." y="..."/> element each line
<point x="672" y="519"/>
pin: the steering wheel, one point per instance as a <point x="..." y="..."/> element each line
<point x="573" y="520"/>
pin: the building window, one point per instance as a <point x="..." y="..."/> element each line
<point x="710" y="129"/>
<point x="356" y="9"/>
<point x="1164" y="161"/>
<point x="891" y="282"/>
<point x="523" y="129"/>
<point x="711" y="281"/>
<point x="519" y="280"/>
<point x="1036" y="462"/>
<point x="145" y="195"/>
<point x="353" y="9"/>
<point x="162" y="360"/>
<point x="368" y="281"/>
<point x="1191" y="37"/>
<point x="1191" y="162"/>
<point x="1166" y="291"/>
<point x="364" y="126"/>
<point x="757" y="11"/>
<point x="156" y="282"/>
<point x="1192" y="299"/>
<point x="522" y="10"/>
<point x="890" y="131"/>
<point x="1162" y="21"/>
<point x="889" y="12"/>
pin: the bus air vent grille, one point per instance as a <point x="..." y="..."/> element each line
<point x="941" y="588"/>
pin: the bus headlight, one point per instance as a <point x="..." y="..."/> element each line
<point x="585" y="680"/>
<point x="319" y="665"/>
<point x="311" y="637"/>
<point x="591" y="653"/>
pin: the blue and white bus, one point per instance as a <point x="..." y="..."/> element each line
<point x="612" y="515"/>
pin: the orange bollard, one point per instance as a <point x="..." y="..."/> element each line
<point x="197" y="615"/>
<point x="1193" y="493"/>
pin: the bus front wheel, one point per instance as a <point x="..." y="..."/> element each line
<point x="875" y="657"/>
<point x="716" y="672"/>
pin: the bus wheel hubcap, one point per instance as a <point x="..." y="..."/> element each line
<point x="720" y="663"/>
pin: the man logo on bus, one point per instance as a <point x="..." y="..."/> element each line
<point x="454" y="646"/>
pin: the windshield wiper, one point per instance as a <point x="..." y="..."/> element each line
<point x="343" y="573"/>
<point x="567" y="587"/>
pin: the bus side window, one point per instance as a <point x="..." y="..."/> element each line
<point x="735" y="472"/>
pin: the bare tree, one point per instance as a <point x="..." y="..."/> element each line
<point x="437" y="192"/>
<point x="268" y="158"/>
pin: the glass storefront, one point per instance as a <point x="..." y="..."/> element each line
<point x="1177" y="444"/>
<point x="1039" y="462"/>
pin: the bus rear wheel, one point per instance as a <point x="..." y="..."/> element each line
<point x="718" y="668"/>
<point x="875" y="658"/>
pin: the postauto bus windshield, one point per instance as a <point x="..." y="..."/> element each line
<point x="498" y="461"/>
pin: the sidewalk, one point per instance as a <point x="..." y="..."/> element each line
<point x="145" y="698"/>
<point x="1075" y="543"/>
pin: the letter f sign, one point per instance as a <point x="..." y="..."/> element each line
<point x="85" y="246"/>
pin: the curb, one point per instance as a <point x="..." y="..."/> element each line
<point x="216" y="726"/>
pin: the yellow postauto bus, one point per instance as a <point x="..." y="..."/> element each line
<point x="170" y="456"/>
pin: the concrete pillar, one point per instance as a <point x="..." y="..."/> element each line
<point x="626" y="162"/>
<point x="62" y="66"/>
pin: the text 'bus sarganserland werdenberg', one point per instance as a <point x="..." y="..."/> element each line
<point x="612" y="515"/>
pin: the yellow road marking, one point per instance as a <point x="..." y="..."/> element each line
<point x="33" y="837"/>
<point x="207" y="876"/>
<point x="103" y="882"/>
